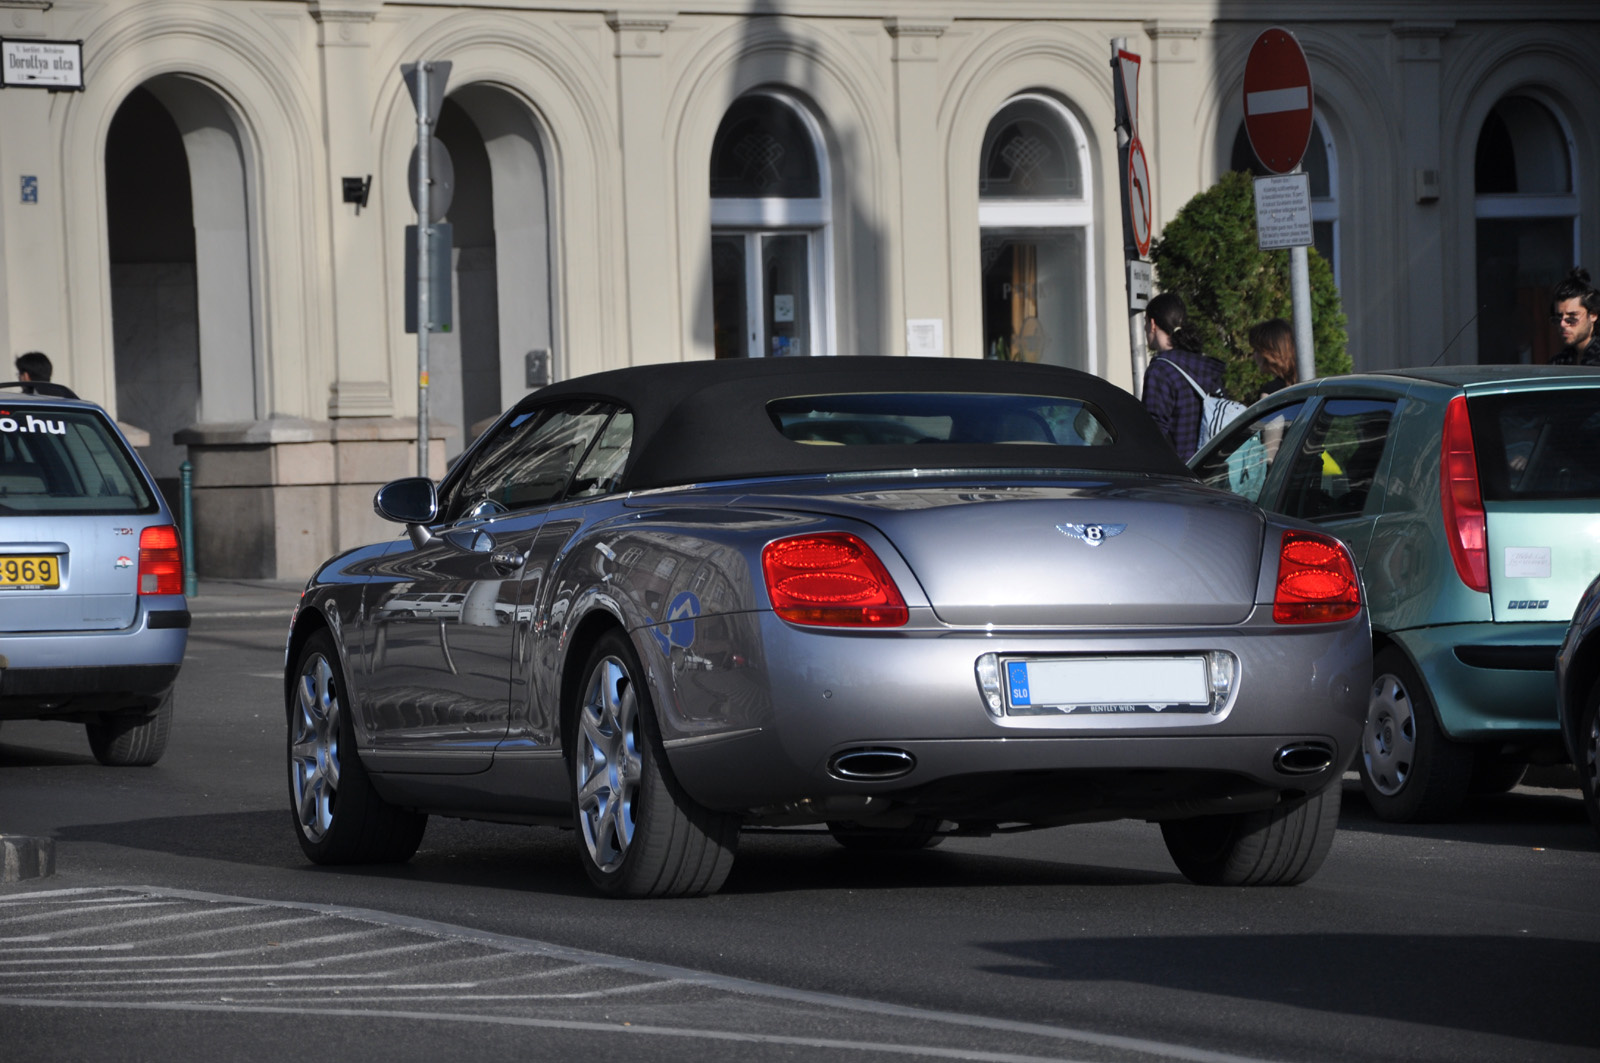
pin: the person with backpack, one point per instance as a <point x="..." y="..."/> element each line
<point x="1180" y="382"/>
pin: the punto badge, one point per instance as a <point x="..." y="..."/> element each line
<point x="1093" y="534"/>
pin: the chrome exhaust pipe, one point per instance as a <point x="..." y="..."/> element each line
<point x="871" y="765"/>
<point x="1303" y="758"/>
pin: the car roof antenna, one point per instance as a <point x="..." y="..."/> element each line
<point x="1453" y="339"/>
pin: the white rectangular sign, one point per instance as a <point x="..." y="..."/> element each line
<point x="925" y="336"/>
<point x="1283" y="211"/>
<point x="1527" y="562"/>
<point x="41" y="64"/>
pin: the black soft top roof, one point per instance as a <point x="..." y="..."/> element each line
<point x="698" y="422"/>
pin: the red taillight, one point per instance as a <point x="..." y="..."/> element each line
<point x="833" y="579"/>
<point x="1461" y="500"/>
<point x="160" y="561"/>
<point x="1316" y="581"/>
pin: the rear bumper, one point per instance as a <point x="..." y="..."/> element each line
<point x="1489" y="682"/>
<point x="67" y="675"/>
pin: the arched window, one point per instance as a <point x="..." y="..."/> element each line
<point x="769" y="231"/>
<point x="1321" y="164"/>
<point x="1527" y="230"/>
<point x="1036" y="216"/>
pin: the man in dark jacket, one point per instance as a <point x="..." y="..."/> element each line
<point x="1574" y="310"/>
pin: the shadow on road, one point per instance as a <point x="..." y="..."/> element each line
<point x="1525" y="818"/>
<point x="1519" y="987"/>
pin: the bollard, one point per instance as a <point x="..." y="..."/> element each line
<point x="186" y="505"/>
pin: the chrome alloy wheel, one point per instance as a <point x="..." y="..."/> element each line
<point x="314" y="748"/>
<point x="607" y="763"/>
<point x="1389" y="741"/>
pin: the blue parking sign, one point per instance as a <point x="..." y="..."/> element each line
<point x="30" y="188"/>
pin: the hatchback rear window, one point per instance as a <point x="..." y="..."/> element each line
<point x="1538" y="445"/>
<point x="892" y="419"/>
<point x="66" y="461"/>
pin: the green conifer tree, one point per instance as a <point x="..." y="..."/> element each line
<point x="1208" y="255"/>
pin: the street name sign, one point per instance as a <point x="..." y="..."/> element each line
<point x="31" y="64"/>
<point x="1277" y="100"/>
<point x="1283" y="211"/>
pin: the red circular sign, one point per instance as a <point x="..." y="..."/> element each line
<point x="1139" y="196"/>
<point x="1277" y="100"/>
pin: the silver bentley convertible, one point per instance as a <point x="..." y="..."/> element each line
<point x="892" y="598"/>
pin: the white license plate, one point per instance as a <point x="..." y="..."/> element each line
<point x="1106" y="685"/>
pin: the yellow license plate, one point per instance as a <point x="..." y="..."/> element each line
<point x="29" y="573"/>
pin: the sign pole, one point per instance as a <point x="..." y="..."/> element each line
<point x="424" y="262"/>
<point x="1300" y="303"/>
<point x="1136" y="203"/>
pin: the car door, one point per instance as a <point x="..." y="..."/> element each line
<point x="438" y="693"/>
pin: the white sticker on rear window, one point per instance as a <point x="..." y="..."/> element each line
<point x="1527" y="562"/>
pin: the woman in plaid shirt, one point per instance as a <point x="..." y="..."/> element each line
<point x="1168" y="397"/>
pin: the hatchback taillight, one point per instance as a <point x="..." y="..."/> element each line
<point x="160" y="561"/>
<point x="1317" y="581"/>
<point x="1461" y="500"/>
<point x="831" y="579"/>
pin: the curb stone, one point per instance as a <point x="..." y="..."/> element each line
<point x="24" y="857"/>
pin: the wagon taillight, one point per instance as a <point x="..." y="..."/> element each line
<point x="832" y="579"/>
<point x="160" y="561"/>
<point x="1461" y="500"/>
<point x="1317" y="581"/>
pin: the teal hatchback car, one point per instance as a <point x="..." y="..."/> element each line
<point x="1471" y="499"/>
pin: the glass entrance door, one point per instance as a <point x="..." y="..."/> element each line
<point x="761" y="301"/>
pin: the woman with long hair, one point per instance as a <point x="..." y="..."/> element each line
<point x="1272" y="349"/>
<point x="1168" y="397"/>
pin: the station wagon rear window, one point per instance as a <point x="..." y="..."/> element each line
<point x="1538" y="445"/>
<point x="893" y="419"/>
<point x="66" y="461"/>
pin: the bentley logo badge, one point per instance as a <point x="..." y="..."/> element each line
<point x="1093" y="534"/>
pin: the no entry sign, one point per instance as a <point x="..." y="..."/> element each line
<point x="1277" y="100"/>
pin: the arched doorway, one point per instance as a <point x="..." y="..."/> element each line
<point x="504" y="343"/>
<point x="1527" y="227"/>
<point x="183" y="299"/>
<point x="770" y="231"/>
<point x="1036" y="212"/>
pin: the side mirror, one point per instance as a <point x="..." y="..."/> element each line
<point x="412" y="500"/>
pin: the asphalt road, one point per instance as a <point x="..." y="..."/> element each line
<point x="183" y="922"/>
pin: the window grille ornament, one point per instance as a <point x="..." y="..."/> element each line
<point x="761" y="155"/>
<point x="1026" y="155"/>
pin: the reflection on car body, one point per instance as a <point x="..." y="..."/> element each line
<point x="1469" y="496"/>
<point x="717" y="623"/>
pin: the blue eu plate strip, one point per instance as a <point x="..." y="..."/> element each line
<point x="1017" y="678"/>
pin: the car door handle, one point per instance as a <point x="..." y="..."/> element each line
<point x="507" y="559"/>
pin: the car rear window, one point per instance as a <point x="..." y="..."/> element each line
<point x="893" y="419"/>
<point x="66" y="461"/>
<point x="1537" y="445"/>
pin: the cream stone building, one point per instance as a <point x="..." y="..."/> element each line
<point x="676" y="180"/>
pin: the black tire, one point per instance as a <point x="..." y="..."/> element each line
<point x="1589" y="757"/>
<point x="921" y="833"/>
<point x="1410" y="772"/>
<point x="1493" y="775"/>
<point x="1279" y="846"/>
<point x="638" y="833"/>
<point x="338" y="816"/>
<point x="133" y="739"/>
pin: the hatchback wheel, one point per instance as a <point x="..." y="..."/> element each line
<point x="639" y="833"/>
<point x="339" y="817"/>
<point x="1279" y="846"/>
<point x="1410" y="771"/>
<point x="1589" y="756"/>
<point x="131" y="740"/>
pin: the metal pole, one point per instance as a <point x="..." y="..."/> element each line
<point x="186" y="518"/>
<point x="1140" y="354"/>
<point x="424" y="259"/>
<point x="1300" y="303"/>
<point x="1300" y="294"/>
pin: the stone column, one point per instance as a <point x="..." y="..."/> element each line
<point x="646" y="206"/>
<point x="924" y="234"/>
<point x="361" y="386"/>
<point x="1421" y="242"/>
<point x="1173" y="87"/>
